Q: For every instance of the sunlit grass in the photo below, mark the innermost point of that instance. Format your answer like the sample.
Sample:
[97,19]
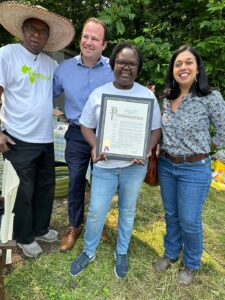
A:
[47,277]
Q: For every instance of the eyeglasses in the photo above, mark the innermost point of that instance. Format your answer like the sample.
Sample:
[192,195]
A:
[122,64]
[41,32]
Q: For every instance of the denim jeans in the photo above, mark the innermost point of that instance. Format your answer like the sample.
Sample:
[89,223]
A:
[105,182]
[184,188]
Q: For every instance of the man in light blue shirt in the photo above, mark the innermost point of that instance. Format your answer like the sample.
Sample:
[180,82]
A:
[77,78]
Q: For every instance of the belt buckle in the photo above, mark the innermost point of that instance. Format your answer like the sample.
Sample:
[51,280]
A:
[176,159]
[179,159]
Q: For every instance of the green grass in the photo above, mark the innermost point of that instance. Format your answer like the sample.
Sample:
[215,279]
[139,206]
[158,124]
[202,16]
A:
[47,277]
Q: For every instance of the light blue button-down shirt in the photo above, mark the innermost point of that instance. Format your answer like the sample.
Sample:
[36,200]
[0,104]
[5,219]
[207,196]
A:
[77,81]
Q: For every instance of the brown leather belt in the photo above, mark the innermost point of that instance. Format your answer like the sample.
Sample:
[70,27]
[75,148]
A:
[183,158]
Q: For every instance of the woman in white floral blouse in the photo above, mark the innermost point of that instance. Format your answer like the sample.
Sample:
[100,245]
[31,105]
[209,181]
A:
[190,107]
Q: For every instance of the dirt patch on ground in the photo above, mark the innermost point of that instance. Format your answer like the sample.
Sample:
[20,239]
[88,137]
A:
[59,222]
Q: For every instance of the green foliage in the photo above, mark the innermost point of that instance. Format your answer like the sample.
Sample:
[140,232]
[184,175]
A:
[156,54]
[158,27]
[216,6]
[117,15]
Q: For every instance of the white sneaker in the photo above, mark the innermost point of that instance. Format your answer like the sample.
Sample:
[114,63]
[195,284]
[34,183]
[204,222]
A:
[51,236]
[31,250]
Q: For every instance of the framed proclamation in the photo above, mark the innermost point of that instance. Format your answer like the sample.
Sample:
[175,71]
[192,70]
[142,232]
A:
[124,127]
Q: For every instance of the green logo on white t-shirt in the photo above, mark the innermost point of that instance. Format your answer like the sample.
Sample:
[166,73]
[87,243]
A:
[32,75]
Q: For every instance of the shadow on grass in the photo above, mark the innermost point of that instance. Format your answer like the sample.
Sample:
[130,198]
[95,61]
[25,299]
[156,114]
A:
[47,277]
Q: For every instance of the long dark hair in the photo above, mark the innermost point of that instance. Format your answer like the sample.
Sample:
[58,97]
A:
[199,87]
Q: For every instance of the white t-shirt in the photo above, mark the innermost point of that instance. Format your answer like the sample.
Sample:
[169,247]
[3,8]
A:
[91,113]
[27,107]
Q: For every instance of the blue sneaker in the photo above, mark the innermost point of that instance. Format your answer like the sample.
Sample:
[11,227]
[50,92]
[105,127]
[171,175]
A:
[121,265]
[80,263]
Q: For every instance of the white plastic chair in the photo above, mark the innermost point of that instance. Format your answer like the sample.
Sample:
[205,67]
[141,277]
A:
[10,183]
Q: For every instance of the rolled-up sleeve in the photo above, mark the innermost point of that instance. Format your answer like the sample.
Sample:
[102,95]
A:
[156,118]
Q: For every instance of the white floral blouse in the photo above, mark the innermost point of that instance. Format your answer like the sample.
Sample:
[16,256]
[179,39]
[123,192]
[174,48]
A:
[187,131]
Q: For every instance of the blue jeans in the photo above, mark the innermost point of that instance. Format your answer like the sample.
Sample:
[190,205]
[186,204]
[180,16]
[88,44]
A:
[184,188]
[105,183]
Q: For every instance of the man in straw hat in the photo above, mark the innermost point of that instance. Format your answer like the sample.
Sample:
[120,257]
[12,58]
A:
[77,78]
[27,128]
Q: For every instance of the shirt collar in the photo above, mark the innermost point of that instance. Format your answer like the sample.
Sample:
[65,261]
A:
[100,62]
[30,55]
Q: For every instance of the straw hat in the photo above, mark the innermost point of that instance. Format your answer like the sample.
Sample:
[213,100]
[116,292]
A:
[13,14]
